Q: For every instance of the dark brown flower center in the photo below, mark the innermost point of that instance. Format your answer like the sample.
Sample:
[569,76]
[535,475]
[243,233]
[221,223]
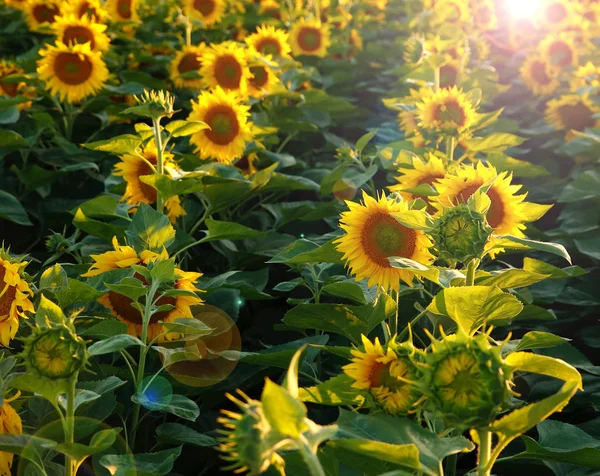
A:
[206,7]
[224,126]
[260,76]
[268,46]
[45,13]
[576,116]
[6,299]
[78,34]
[309,39]
[72,69]
[228,72]
[189,63]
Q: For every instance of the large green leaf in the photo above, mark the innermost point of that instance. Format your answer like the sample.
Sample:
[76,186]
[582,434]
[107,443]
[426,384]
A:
[12,210]
[145,464]
[224,230]
[539,340]
[285,413]
[510,242]
[150,230]
[178,433]
[440,276]
[402,455]
[335,391]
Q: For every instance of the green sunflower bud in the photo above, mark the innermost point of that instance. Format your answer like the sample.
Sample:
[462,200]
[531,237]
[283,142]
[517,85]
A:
[460,234]
[414,49]
[249,441]
[466,380]
[55,352]
[153,104]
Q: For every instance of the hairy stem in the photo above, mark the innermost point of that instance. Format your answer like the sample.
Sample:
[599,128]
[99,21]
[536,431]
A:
[159,159]
[310,458]
[485,450]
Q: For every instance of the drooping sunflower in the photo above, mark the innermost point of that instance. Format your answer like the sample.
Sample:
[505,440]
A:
[586,76]
[373,235]
[123,257]
[208,12]
[73,72]
[269,40]
[571,112]
[389,375]
[229,130]
[11,88]
[508,211]
[132,167]
[187,61]
[10,424]
[539,75]
[226,65]
[94,9]
[423,173]
[447,111]
[309,38]
[40,14]
[72,29]
[484,15]
[15,296]
[123,10]
[560,50]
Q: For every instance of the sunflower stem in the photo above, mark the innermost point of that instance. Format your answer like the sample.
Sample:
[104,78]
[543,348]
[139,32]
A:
[159,159]
[70,463]
[436,78]
[310,458]
[450,146]
[471,268]
[413,323]
[485,450]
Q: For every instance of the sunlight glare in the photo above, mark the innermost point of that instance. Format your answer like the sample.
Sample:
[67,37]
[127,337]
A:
[524,8]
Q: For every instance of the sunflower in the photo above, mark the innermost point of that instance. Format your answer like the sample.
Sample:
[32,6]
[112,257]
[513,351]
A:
[229,130]
[41,13]
[449,74]
[539,75]
[10,424]
[92,8]
[73,72]
[19,4]
[132,167]
[247,164]
[451,11]
[508,211]
[560,50]
[208,12]
[187,61]
[408,123]
[571,112]
[586,76]
[484,15]
[72,29]
[10,88]
[422,173]
[271,8]
[555,14]
[15,296]
[269,40]
[123,10]
[309,38]
[122,257]
[263,78]
[373,235]
[226,65]
[447,111]
[386,374]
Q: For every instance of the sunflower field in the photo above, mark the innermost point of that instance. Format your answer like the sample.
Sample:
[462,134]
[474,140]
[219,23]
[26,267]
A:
[299,237]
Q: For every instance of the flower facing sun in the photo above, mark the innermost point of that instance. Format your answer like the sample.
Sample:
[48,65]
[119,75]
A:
[187,62]
[15,296]
[123,257]
[447,111]
[572,113]
[226,65]
[309,38]
[539,76]
[73,72]
[508,211]
[389,374]
[132,167]
[422,173]
[373,235]
[560,50]
[40,13]
[269,41]
[72,29]
[18,4]
[229,130]
[208,12]
[555,14]
[263,79]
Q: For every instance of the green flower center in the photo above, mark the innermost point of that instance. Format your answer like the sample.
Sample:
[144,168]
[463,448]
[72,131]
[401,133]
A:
[383,237]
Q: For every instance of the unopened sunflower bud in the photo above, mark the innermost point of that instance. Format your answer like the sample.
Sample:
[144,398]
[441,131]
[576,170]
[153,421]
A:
[154,104]
[55,352]
[414,49]
[466,380]
[460,234]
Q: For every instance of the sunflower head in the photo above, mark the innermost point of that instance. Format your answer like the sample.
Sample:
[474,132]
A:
[11,87]
[40,14]
[249,440]
[586,76]
[93,9]
[208,12]
[269,41]
[447,111]
[10,424]
[310,38]
[571,112]
[414,49]
[460,234]
[55,352]
[539,75]
[70,28]
[185,67]
[560,50]
[484,15]
[226,65]
[466,380]
[389,373]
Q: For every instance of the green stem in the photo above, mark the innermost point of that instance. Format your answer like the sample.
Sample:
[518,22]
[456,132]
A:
[471,268]
[310,458]
[159,159]
[70,464]
[485,450]
[450,465]
[436,78]
[413,323]
[450,146]
[285,141]
[395,317]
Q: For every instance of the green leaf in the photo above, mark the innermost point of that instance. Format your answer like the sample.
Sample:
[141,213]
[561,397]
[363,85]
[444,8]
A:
[440,276]
[512,278]
[163,271]
[103,206]
[516,243]
[11,139]
[9,115]
[48,313]
[349,321]
[403,455]
[76,291]
[345,290]
[150,230]
[364,140]
[544,365]
[185,128]
[188,327]
[133,288]
[539,340]
[105,329]
[291,379]
[12,210]
[102,386]
[415,219]
[473,306]
[114,344]
[169,187]
[284,413]
[541,267]
[28,447]
[98,228]
[585,187]
[180,434]
[178,405]
[145,464]
[519,168]
[224,230]
[54,279]
[101,441]
[336,391]
[119,145]
[497,142]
